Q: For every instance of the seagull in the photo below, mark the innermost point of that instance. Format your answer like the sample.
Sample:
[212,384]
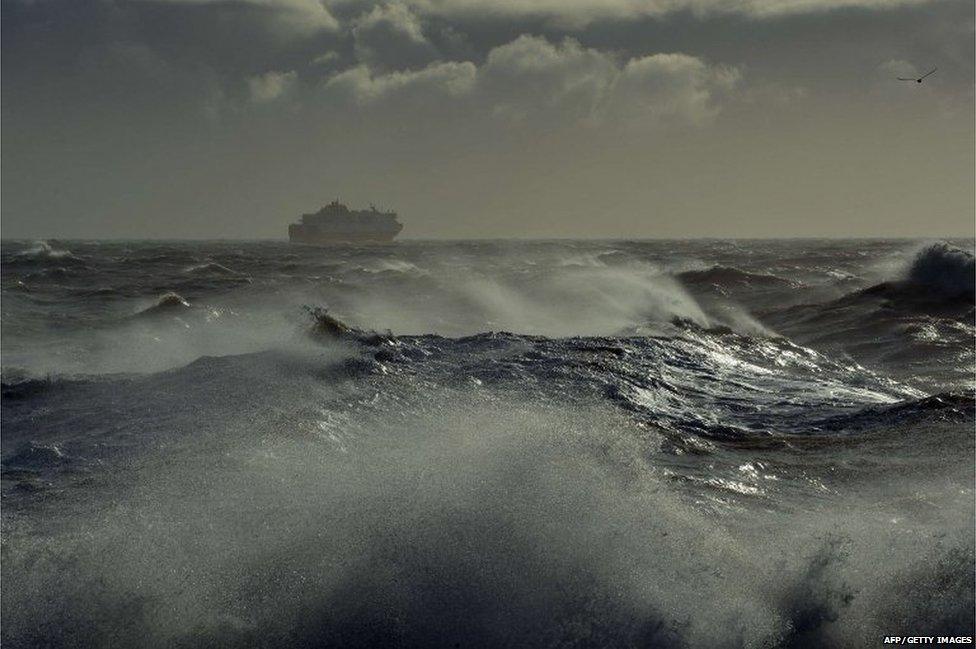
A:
[918,80]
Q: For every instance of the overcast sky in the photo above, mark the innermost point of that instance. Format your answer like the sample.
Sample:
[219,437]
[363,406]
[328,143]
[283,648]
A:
[505,118]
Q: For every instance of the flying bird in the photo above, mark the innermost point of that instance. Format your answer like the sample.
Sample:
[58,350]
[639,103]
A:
[918,80]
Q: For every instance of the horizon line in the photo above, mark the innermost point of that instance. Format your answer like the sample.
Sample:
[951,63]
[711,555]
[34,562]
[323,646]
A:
[514,238]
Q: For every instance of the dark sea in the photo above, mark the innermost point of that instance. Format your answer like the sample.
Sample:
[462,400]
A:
[698,444]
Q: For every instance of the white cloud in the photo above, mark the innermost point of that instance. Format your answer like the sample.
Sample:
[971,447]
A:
[530,75]
[577,13]
[391,36]
[326,59]
[270,86]
[669,87]
[294,17]
[531,80]
[437,81]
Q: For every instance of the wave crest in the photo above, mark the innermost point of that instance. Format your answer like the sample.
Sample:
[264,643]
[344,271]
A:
[43,251]
[212,268]
[167,303]
[730,277]
[944,269]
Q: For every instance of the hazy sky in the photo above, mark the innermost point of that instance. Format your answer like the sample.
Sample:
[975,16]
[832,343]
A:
[549,118]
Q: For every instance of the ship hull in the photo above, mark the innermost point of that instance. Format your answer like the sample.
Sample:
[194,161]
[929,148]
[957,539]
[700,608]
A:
[297,234]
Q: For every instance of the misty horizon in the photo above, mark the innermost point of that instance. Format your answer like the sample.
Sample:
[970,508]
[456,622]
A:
[919,240]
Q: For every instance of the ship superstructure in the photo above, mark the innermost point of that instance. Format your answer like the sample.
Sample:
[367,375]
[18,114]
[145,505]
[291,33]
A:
[336,223]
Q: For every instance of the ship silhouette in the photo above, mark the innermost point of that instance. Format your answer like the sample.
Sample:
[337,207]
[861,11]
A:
[335,223]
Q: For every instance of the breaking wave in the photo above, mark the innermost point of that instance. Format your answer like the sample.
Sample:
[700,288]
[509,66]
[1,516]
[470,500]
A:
[44,250]
[431,515]
[212,268]
[726,277]
[560,444]
[167,303]
[945,269]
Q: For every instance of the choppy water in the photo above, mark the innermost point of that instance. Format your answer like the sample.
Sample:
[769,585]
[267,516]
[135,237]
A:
[664,444]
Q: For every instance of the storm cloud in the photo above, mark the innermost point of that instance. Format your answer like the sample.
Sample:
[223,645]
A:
[202,118]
